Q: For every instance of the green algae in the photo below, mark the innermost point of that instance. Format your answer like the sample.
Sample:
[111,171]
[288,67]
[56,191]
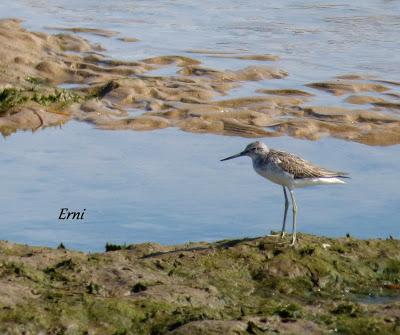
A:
[61,246]
[150,289]
[11,269]
[93,288]
[57,96]
[365,325]
[289,311]
[114,247]
[391,271]
[13,97]
[36,80]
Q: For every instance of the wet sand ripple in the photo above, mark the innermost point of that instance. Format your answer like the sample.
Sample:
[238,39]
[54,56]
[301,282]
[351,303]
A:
[34,64]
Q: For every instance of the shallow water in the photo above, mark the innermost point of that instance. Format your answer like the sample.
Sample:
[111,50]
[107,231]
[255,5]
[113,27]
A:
[316,40]
[371,300]
[168,186]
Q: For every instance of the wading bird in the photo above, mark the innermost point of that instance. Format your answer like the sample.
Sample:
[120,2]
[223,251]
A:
[290,171]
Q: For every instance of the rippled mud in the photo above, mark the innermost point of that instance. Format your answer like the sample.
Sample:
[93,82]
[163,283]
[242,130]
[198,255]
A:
[35,67]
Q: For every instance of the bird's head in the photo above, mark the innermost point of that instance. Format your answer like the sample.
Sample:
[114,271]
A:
[252,150]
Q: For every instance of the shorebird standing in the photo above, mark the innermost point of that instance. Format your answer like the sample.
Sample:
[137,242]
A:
[290,171]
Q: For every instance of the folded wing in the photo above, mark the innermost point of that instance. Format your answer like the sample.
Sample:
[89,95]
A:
[300,168]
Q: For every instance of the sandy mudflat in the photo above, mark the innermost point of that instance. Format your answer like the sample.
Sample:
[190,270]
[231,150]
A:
[34,64]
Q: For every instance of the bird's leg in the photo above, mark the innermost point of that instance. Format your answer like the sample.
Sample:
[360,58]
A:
[285,214]
[294,206]
[282,234]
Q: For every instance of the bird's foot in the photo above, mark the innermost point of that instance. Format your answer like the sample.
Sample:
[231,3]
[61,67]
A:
[273,234]
[293,243]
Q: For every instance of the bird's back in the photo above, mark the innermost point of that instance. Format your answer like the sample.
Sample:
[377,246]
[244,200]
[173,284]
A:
[298,167]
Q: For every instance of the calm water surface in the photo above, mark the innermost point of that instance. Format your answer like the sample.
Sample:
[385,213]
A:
[169,186]
[316,39]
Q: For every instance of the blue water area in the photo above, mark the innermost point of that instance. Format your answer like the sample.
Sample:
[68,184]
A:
[315,39]
[169,186]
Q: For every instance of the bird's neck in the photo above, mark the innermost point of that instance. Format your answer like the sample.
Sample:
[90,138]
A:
[258,159]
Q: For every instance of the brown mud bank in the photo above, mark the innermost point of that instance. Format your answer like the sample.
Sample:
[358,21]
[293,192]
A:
[248,286]
[36,67]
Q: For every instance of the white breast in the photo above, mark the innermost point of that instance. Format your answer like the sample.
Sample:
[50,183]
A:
[275,174]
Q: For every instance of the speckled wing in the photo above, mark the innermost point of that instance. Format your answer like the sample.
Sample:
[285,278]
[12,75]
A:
[300,168]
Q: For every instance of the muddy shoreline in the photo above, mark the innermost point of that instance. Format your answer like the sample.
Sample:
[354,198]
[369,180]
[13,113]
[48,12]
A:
[249,286]
[36,66]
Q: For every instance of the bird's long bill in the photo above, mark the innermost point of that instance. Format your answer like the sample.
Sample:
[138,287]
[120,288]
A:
[232,157]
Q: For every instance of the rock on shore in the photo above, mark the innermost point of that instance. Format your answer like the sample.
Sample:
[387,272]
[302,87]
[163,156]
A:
[248,286]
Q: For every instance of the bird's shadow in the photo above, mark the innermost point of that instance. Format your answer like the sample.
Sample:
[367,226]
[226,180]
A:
[161,253]
[224,244]
[231,243]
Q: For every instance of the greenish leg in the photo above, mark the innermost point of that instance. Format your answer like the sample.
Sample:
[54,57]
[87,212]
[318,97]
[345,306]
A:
[285,214]
[294,206]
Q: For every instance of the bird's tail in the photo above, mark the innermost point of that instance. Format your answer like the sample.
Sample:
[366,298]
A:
[343,175]
[336,174]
